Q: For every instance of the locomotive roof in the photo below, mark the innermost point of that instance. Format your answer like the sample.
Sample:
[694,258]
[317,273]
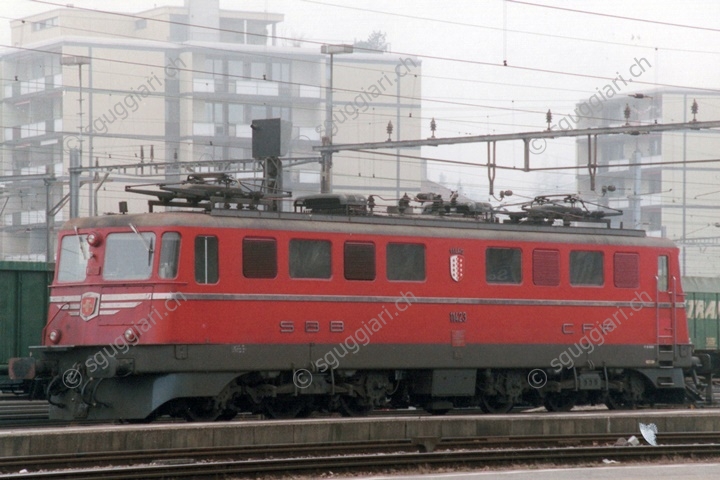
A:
[412,226]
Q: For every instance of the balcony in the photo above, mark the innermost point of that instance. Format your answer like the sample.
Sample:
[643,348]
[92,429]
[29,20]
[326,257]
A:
[32,86]
[309,91]
[204,129]
[32,129]
[269,89]
[204,85]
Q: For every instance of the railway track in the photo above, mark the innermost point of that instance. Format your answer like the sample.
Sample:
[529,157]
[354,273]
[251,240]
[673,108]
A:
[19,412]
[318,458]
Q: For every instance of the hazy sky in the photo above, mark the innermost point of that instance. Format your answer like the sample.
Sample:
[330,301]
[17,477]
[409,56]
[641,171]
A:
[556,58]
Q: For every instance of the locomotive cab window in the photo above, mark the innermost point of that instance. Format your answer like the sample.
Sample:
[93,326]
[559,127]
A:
[74,256]
[626,270]
[662,275]
[169,254]
[503,265]
[129,256]
[359,261]
[586,268]
[310,259]
[259,257]
[405,261]
[206,259]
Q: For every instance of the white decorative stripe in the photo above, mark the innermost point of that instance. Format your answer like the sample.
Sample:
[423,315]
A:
[353,299]
[113,297]
[110,297]
[108,312]
[65,299]
[119,304]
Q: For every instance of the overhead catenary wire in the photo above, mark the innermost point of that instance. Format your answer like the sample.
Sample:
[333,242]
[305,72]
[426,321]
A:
[460,103]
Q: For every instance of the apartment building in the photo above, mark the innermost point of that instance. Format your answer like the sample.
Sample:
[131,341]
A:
[171,91]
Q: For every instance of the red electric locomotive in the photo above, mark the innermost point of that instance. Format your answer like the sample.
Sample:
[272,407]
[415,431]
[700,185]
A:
[337,307]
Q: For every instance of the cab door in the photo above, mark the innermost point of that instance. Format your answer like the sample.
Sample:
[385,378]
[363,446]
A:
[665,299]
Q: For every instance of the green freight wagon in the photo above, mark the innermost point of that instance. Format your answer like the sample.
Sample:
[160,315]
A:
[702,302]
[23,312]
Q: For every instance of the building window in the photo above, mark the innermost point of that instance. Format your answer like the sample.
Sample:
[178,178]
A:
[140,24]
[43,24]
[503,265]
[206,259]
[546,267]
[258,71]
[655,146]
[309,259]
[405,261]
[236,114]
[281,72]
[213,68]
[236,69]
[214,113]
[586,268]
[359,261]
[626,270]
[259,257]
[169,255]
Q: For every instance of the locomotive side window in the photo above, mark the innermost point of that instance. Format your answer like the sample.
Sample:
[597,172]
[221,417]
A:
[169,254]
[546,267]
[405,261]
[626,270]
[206,259]
[259,257]
[359,261]
[74,257]
[129,256]
[503,265]
[662,273]
[586,268]
[309,259]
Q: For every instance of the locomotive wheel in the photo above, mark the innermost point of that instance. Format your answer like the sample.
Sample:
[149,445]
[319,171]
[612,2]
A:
[136,421]
[193,414]
[630,397]
[559,402]
[200,410]
[354,407]
[283,408]
[495,404]
[226,415]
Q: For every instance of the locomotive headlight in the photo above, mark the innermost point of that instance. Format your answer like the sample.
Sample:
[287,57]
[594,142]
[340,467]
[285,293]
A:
[131,335]
[54,336]
[94,239]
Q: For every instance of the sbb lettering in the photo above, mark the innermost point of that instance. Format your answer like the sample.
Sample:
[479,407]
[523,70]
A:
[312,326]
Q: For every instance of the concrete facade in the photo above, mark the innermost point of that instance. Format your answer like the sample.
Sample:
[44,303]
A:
[177,85]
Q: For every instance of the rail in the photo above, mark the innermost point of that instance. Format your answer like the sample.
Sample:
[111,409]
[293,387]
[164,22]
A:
[211,462]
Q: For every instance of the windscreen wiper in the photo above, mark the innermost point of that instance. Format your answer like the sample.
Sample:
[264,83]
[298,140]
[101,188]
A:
[148,246]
